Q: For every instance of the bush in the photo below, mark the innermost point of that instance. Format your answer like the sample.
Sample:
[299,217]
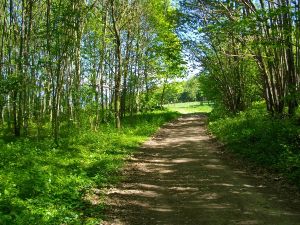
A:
[44,184]
[263,140]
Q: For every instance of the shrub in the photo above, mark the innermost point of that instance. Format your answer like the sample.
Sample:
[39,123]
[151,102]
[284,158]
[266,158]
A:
[44,184]
[263,140]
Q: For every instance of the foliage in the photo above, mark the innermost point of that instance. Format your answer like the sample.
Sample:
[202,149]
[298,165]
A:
[191,91]
[247,50]
[44,184]
[178,91]
[269,142]
[172,92]
[60,59]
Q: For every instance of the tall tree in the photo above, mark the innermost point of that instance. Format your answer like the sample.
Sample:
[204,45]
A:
[263,31]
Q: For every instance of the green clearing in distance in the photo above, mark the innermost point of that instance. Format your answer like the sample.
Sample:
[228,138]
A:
[189,107]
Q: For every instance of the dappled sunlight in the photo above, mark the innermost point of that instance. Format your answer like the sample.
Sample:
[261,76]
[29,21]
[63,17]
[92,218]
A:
[209,196]
[142,193]
[183,160]
[179,179]
[224,184]
[184,189]
[160,209]
[93,197]
[214,167]
[149,186]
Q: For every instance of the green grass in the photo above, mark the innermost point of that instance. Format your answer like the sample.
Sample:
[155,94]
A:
[262,140]
[43,184]
[189,107]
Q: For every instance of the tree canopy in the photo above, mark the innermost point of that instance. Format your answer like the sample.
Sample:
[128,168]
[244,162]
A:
[61,61]
[248,50]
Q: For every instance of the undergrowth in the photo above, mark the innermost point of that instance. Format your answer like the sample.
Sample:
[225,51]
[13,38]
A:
[44,184]
[263,140]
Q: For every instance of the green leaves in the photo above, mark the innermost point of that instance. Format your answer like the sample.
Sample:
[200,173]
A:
[261,140]
[44,185]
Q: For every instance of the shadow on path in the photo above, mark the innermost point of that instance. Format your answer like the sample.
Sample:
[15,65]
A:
[178,178]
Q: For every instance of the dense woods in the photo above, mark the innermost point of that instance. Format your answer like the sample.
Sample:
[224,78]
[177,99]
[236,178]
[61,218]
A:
[84,82]
[74,79]
[248,50]
[65,61]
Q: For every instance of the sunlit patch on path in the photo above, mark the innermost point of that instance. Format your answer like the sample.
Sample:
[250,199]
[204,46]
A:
[178,178]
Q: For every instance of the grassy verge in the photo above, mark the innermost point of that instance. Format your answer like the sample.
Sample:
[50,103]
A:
[262,140]
[43,184]
[189,107]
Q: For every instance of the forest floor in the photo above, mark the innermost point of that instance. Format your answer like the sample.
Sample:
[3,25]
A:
[181,176]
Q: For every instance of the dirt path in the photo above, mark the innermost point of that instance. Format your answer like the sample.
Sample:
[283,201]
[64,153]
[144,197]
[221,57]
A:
[179,178]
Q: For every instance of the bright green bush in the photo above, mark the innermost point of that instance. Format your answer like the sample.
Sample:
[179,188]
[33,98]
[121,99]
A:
[266,141]
[43,184]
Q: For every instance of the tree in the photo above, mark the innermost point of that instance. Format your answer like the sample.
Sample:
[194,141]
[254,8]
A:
[68,62]
[234,34]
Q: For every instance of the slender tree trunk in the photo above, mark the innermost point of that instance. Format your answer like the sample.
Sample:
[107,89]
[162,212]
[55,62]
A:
[162,98]
[118,72]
